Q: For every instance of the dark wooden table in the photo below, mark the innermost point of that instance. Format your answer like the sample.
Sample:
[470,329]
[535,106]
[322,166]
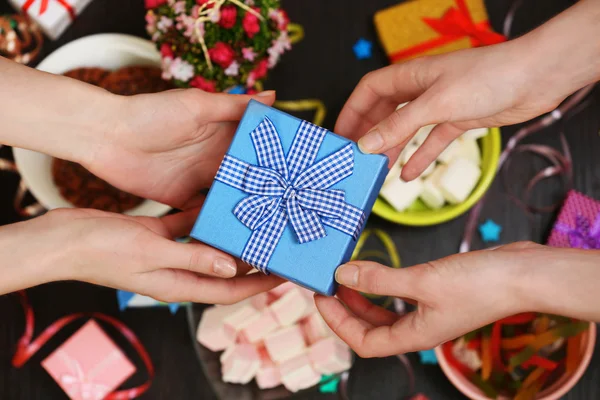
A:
[321,66]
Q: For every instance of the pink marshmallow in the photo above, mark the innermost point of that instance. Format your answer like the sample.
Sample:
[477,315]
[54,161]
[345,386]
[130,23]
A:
[211,333]
[315,328]
[330,356]
[291,307]
[298,373]
[259,301]
[282,289]
[285,343]
[240,364]
[261,327]
[240,318]
[268,375]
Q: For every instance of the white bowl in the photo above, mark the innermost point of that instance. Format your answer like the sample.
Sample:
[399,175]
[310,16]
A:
[108,51]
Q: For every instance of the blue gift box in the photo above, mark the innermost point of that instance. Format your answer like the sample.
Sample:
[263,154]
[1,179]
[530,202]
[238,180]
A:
[300,231]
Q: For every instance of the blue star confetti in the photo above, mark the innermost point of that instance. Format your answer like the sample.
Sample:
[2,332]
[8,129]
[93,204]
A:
[490,231]
[363,49]
[428,357]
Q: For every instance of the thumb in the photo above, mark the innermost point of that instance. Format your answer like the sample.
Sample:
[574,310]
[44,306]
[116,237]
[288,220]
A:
[222,107]
[370,277]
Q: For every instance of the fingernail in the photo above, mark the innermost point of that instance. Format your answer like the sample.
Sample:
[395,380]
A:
[347,275]
[266,94]
[371,142]
[224,268]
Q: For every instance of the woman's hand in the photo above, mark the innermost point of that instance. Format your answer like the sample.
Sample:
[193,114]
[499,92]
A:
[136,254]
[459,293]
[485,87]
[168,146]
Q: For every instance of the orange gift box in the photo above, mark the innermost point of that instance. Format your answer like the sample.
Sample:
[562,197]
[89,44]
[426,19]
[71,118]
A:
[427,27]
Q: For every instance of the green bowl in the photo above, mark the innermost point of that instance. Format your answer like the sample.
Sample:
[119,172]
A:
[418,214]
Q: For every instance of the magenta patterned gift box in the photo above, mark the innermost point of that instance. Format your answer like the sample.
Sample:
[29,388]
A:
[578,224]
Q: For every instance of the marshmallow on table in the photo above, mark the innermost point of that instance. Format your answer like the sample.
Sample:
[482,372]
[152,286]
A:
[241,364]
[469,149]
[259,301]
[475,134]
[450,153]
[268,375]
[315,328]
[401,194]
[422,135]
[282,289]
[211,330]
[260,327]
[407,153]
[240,318]
[330,356]
[431,195]
[291,307]
[459,180]
[285,343]
[394,172]
[298,373]
[428,171]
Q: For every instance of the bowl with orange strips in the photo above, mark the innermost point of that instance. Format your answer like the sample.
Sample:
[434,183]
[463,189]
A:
[525,356]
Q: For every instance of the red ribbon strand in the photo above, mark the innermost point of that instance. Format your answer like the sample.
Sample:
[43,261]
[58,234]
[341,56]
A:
[454,25]
[26,348]
[44,6]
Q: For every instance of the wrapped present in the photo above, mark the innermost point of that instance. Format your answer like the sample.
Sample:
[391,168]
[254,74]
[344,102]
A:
[290,198]
[578,224]
[133,300]
[53,16]
[428,27]
[89,365]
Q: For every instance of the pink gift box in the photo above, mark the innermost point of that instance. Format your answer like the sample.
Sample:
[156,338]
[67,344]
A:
[88,365]
[578,224]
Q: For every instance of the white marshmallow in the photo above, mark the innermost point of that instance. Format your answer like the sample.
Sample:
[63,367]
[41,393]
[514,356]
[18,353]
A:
[450,153]
[394,172]
[431,195]
[429,170]
[401,194]
[475,134]
[469,149]
[407,153]
[422,134]
[459,180]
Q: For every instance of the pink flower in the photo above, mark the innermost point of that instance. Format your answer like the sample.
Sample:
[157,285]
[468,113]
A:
[259,72]
[150,23]
[203,84]
[222,54]
[166,68]
[166,51]
[179,7]
[195,13]
[164,23]
[228,16]
[281,18]
[248,54]
[186,24]
[251,24]
[279,47]
[181,70]
[233,69]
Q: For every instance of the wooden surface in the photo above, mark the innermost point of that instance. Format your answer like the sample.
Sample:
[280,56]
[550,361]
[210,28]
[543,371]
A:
[322,66]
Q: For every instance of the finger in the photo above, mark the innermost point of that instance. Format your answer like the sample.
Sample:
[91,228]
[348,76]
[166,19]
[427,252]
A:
[181,224]
[171,285]
[194,257]
[221,107]
[396,83]
[438,140]
[379,341]
[198,200]
[364,309]
[370,277]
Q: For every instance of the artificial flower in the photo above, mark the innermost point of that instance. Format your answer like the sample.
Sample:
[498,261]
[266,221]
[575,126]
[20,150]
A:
[222,54]
[164,23]
[181,70]
[248,53]
[203,84]
[251,24]
[166,68]
[228,16]
[187,25]
[166,51]
[179,7]
[281,18]
[280,46]
[233,69]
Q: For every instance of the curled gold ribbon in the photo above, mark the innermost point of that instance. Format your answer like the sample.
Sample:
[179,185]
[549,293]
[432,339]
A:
[390,255]
[295,32]
[204,16]
[305,105]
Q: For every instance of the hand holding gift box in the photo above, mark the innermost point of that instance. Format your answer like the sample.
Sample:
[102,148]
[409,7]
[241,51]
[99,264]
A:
[53,16]
[290,198]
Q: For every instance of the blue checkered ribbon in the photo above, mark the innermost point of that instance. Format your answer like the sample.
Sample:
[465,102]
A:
[293,189]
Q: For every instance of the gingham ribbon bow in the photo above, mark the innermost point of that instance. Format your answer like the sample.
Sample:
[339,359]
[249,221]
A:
[294,189]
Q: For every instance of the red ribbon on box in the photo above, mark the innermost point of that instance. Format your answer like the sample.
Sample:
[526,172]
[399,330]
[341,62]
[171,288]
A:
[44,6]
[455,24]
[27,346]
